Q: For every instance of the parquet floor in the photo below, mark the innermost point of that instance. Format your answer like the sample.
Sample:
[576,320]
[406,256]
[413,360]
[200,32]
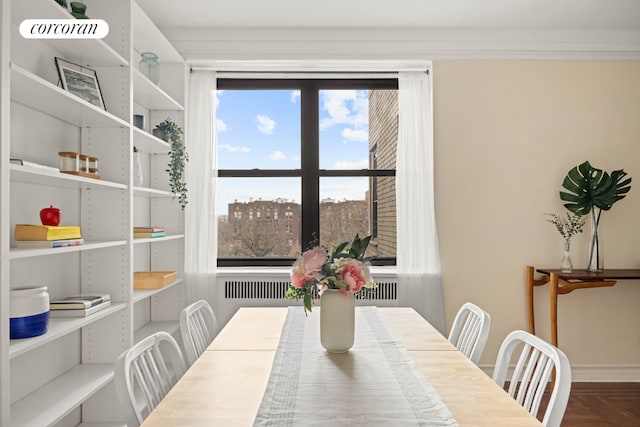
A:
[603,405]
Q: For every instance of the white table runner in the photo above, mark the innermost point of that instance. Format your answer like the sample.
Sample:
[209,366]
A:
[375,384]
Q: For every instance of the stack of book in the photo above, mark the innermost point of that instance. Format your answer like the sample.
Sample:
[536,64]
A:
[79,305]
[47,236]
[148,232]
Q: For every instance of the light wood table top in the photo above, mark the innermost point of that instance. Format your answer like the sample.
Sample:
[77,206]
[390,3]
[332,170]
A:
[226,384]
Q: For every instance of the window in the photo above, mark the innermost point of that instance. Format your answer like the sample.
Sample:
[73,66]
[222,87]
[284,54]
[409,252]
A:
[319,154]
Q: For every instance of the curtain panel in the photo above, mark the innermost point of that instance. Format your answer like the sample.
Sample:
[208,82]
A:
[201,226]
[418,258]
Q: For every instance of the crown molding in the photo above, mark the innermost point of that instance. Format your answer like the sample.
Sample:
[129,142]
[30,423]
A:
[406,44]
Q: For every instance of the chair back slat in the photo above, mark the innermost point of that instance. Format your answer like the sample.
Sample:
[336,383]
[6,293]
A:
[145,373]
[470,331]
[198,326]
[533,371]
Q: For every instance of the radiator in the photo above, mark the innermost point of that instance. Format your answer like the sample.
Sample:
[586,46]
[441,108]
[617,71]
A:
[275,290]
[235,292]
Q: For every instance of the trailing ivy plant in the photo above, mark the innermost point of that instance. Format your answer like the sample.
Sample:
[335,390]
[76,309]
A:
[177,158]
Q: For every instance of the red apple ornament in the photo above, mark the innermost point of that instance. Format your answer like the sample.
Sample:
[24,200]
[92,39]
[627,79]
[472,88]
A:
[50,216]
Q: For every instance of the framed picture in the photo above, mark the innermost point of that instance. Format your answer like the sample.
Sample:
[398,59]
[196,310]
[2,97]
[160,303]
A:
[80,81]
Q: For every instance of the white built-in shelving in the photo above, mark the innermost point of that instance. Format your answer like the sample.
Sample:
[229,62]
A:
[140,295]
[55,400]
[59,327]
[64,377]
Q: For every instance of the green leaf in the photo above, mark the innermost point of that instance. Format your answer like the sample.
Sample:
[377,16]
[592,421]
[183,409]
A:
[588,187]
[308,301]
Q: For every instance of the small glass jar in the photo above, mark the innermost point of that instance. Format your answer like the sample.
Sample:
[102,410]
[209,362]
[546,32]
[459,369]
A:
[69,161]
[84,162]
[150,67]
[93,165]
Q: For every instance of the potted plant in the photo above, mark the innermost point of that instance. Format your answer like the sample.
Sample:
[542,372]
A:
[169,131]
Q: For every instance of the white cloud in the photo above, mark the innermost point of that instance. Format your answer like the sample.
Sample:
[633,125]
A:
[265,124]
[234,148]
[349,107]
[362,164]
[221,126]
[295,95]
[277,155]
[355,134]
[217,97]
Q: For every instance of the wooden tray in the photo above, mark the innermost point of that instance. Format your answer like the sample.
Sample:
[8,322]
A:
[85,174]
[153,279]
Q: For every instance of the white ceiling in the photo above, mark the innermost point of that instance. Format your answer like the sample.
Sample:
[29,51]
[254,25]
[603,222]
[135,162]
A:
[203,30]
[581,15]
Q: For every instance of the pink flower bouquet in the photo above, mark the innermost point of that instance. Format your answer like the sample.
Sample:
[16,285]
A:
[344,268]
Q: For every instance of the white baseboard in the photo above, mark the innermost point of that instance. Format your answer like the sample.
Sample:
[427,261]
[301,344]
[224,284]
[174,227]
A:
[595,373]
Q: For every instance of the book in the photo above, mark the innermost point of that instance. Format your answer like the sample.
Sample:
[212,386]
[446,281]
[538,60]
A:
[48,243]
[79,302]
[148,235]
[79,312]
[147,229]
[46,232]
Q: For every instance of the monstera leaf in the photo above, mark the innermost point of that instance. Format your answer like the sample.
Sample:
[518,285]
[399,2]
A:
[588,187]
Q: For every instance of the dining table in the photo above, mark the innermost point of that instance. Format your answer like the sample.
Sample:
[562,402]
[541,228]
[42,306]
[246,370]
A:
[229,384]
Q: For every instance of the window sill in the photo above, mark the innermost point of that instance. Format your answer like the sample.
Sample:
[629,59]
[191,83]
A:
[262,272]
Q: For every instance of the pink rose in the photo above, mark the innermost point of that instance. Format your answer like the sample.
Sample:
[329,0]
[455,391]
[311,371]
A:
[355,275]
[311,262]
[298,280]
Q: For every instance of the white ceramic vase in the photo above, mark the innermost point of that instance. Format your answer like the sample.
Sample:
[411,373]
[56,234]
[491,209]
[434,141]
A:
[337,321]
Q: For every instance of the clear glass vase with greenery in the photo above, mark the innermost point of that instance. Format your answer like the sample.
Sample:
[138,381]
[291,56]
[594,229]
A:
[591,190]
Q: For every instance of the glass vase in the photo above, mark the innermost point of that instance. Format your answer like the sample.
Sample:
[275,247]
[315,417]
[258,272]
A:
[150,67]
[595,262]
[566,266]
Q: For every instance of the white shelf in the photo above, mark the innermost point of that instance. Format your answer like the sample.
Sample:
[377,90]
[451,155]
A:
[102,425]
[151,96]
[170,326]
[94,52]
[52,402]
[151,192]
[147,143]
[39,94]
[59,179]
[159,239]
[59,327]
[147,37]
[16,253]
[139,295]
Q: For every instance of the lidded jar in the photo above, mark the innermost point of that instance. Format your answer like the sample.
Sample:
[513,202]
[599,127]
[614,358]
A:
[29,312]
[69,161]
[150,67]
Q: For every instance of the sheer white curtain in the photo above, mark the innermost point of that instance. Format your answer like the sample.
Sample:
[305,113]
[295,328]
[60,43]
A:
[418,258]
[201,234]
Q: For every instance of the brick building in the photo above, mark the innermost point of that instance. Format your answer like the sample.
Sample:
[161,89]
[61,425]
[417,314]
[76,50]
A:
[260,228]
[383,142]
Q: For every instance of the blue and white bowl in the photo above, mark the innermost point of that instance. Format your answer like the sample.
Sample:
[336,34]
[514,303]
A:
[29,308]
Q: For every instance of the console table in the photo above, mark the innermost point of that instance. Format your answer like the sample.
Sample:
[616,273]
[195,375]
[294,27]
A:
[564,283]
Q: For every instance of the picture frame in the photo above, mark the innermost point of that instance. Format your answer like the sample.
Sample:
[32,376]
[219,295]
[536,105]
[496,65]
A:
[80,81]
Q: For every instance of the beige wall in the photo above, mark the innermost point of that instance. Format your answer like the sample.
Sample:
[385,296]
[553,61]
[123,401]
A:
[506,133]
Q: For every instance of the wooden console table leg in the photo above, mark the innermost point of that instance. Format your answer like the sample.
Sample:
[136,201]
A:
[553,307]
[532,321]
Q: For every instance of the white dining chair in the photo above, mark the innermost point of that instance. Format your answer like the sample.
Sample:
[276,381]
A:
[198,326]
[470,331]
[145,373]
[533,370]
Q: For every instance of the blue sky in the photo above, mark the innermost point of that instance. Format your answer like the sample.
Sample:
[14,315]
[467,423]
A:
[261,129]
